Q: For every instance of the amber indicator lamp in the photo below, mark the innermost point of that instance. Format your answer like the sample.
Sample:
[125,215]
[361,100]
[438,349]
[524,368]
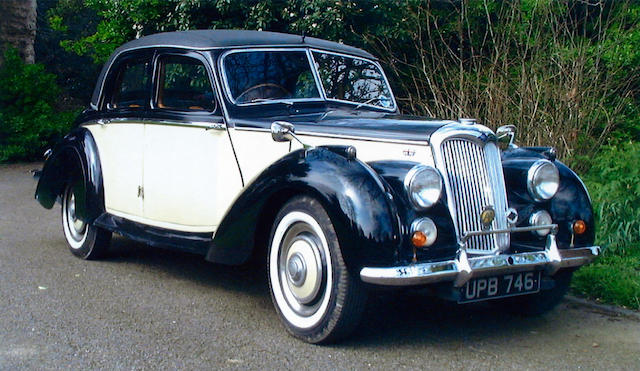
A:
[418,238]
[579,227]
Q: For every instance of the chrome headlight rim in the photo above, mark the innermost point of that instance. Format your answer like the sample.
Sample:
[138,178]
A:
[410,180]
[534,190]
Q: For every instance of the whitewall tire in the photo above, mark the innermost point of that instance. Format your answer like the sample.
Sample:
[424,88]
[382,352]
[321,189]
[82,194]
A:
[84,240]
[315,295]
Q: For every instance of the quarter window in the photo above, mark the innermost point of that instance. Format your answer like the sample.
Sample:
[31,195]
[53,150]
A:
[184,85]
[132,85]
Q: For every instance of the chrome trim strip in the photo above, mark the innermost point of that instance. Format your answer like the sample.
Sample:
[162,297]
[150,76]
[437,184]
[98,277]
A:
[461,269]
[338,136]
[466,236]
[192,124]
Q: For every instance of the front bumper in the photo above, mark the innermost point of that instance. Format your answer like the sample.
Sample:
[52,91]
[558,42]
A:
[463,268]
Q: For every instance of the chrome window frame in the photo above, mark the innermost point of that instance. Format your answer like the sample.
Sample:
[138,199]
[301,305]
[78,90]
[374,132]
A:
[225,80]
[316,75]
[103,95]
[375,63]
[202,59]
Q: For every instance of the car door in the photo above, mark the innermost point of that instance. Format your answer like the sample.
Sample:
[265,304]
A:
[190,172]
[119,133]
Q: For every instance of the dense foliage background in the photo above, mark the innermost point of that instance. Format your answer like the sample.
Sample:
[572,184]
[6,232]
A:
[566,73]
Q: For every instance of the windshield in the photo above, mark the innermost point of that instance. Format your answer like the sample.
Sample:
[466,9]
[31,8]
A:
[256,76]
[352,79]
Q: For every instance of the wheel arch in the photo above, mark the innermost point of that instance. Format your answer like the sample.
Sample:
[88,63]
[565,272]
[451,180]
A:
[75,158]
[331,179]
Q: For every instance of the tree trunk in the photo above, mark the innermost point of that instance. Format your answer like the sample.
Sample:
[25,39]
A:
[18,27]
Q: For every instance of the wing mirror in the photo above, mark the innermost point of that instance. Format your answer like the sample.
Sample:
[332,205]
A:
[282,131]
[506,135]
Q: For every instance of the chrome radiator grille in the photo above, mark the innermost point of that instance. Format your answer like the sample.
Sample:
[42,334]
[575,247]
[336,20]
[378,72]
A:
[473,171]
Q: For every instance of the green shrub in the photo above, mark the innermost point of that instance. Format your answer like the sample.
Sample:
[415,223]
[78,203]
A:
[29,119]
[614,183]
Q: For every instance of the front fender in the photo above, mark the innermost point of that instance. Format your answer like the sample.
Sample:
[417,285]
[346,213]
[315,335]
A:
[569,204]
[355,198]
[74,159]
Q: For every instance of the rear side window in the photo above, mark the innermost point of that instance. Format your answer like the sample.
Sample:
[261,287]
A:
[132,85]
[184,85]
[257,76]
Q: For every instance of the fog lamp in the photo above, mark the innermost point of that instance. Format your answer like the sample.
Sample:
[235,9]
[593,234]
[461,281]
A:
[540,217]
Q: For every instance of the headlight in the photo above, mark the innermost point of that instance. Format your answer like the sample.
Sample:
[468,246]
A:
[423,185]
[543,180]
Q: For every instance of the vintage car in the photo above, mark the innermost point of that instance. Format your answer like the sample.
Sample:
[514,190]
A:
[238,145]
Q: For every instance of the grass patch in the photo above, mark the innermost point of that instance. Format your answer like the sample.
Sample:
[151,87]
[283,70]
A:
[614,183]
[611,279]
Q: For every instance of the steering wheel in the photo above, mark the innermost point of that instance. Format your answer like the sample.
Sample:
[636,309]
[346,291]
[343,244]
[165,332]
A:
[265,90]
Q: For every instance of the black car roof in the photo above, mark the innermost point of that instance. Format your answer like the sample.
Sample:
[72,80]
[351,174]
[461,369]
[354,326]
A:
[214,39]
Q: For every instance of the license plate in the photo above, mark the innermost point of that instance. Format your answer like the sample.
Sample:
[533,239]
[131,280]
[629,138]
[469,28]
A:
[485,288]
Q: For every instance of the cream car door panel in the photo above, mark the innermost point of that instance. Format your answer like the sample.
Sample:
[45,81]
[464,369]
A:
[120,148]
[256,151]
[190,177]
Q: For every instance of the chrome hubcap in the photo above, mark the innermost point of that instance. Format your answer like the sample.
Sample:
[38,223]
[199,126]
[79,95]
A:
[77,228]
[297,270]
[301,268]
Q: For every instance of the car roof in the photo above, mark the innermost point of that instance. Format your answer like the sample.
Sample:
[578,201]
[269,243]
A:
[211,39]
[216,39]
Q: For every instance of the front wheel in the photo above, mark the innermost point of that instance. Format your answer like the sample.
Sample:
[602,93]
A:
[316,297]
[85,241]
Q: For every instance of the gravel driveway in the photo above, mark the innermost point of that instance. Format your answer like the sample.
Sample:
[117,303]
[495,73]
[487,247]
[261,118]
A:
[146,308]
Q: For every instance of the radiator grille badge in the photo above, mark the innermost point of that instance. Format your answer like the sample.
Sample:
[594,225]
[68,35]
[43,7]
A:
[486,216]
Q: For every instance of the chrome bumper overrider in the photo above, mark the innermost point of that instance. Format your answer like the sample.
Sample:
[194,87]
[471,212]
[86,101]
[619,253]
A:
[463,268]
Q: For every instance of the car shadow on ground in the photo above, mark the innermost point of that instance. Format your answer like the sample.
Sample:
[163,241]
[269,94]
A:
[390,317]
[249,279]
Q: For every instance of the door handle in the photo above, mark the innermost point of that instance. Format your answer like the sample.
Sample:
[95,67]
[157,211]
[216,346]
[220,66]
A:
[103,122]
[216,126]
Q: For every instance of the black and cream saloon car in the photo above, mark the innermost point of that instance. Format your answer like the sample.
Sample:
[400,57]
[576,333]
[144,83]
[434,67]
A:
[241,144]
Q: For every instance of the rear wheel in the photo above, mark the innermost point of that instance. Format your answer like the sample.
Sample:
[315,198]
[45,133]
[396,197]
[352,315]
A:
[316,297]
[85,241]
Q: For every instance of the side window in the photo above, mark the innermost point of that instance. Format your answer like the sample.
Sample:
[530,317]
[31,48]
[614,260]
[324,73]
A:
[269,75]
[184,85]
[132,85]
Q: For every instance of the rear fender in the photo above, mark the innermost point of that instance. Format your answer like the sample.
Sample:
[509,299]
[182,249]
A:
[75,159]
